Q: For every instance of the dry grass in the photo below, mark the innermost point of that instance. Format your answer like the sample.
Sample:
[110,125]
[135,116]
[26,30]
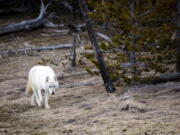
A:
[87,110]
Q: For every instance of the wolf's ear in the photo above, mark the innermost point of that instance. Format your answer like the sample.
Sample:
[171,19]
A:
[47,78]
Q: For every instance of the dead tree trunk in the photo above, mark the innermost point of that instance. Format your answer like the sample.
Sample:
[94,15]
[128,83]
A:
[40,21]
[178,38]
[74,50]
[105,76]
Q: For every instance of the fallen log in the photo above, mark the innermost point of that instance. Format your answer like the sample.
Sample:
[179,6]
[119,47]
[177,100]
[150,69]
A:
[40,21]
[30,48]
[167,77]
[25,50]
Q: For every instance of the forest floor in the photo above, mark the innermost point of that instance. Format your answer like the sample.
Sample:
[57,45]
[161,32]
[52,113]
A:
[79,110]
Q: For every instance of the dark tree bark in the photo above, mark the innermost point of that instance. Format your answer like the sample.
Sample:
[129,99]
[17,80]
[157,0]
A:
[105,76]
[178,37]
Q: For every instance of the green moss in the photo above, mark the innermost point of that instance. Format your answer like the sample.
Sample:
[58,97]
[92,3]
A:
[105,46]
[88,47]
[89,55]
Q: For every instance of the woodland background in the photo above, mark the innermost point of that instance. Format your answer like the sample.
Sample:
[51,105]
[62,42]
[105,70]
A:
[139,42]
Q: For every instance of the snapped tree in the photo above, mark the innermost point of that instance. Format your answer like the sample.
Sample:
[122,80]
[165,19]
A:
[102,66]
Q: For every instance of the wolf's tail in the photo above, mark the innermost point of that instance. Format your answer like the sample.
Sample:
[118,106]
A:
[29,90]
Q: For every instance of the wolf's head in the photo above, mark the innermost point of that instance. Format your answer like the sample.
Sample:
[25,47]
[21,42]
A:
[52,84]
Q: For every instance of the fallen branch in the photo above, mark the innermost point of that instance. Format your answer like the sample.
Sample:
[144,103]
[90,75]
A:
[62,31]
[52,25]
[146,12]
[138,64]
[25,50]
[105,37]
[40,21]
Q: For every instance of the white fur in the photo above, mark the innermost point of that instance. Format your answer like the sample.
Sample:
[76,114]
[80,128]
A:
[41,78]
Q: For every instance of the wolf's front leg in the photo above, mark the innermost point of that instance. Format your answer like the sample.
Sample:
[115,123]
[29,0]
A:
[46,101]
[40,96]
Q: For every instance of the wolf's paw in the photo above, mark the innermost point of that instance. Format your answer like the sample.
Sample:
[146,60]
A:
[47,107]
[33,103]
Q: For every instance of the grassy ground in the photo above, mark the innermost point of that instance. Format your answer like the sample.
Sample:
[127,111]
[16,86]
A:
[81,110]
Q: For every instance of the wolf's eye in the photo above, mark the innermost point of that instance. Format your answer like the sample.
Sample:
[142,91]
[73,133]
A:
[49,86]
[53,86]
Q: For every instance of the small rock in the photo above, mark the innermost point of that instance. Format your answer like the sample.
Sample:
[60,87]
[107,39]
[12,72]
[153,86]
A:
[68,131]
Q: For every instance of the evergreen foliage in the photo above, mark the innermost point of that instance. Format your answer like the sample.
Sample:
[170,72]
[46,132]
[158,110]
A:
[152,28]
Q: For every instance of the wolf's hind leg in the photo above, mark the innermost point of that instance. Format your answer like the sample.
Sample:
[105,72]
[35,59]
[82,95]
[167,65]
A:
[38,101]
[33,100]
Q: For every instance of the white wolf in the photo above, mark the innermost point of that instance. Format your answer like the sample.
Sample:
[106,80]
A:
[41,78]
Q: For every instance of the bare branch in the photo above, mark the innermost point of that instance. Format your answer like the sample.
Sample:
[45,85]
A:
[145,13]
[104,36]
[61,46]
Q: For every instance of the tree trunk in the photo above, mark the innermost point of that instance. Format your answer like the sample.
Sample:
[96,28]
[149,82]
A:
[74,50]
[178,37]
[105,76]
[132,53]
